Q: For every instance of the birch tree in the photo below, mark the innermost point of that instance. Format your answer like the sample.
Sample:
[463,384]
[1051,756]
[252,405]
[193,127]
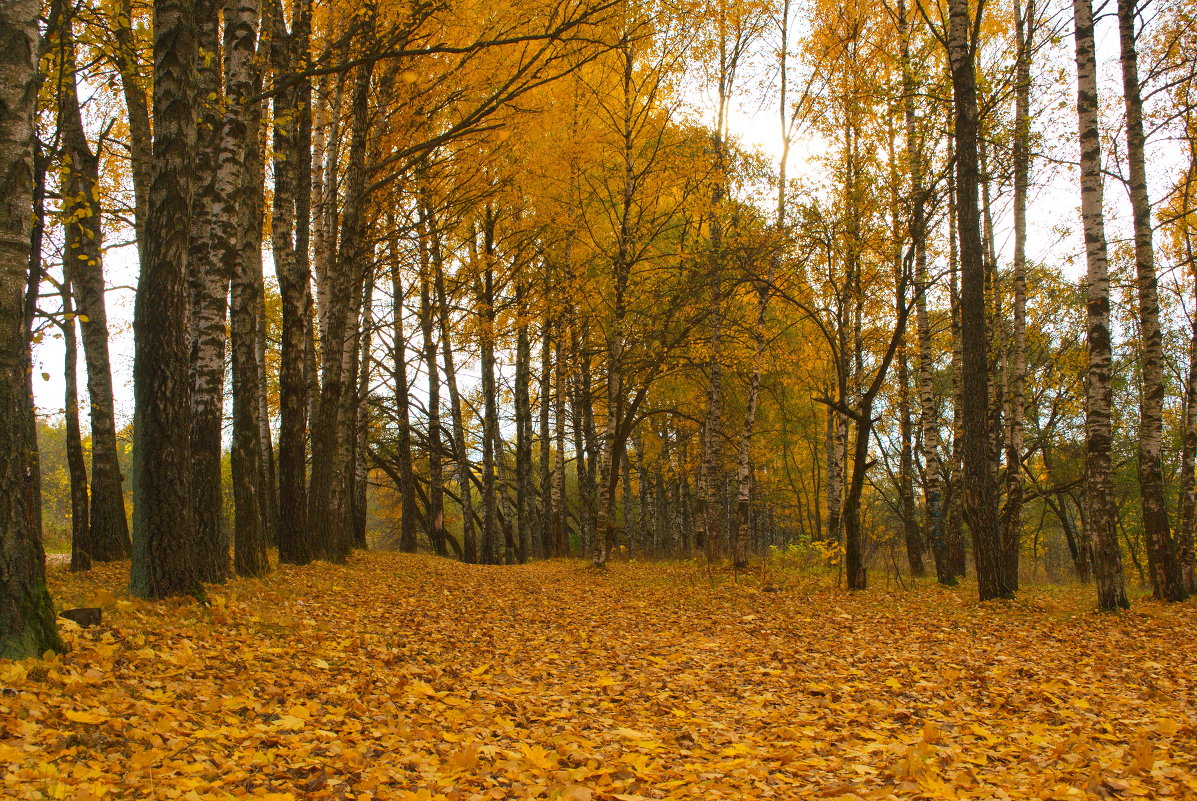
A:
[164,548]
[27,625]
[1107,559]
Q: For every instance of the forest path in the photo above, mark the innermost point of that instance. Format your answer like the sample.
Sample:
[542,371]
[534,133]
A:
[412,677]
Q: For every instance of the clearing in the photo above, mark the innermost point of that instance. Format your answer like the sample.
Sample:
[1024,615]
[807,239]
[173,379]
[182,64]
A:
[401,677]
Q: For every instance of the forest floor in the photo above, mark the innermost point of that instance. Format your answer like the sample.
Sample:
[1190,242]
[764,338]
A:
[409,677]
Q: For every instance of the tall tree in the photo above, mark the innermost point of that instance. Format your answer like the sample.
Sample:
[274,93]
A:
[328,498]
[26,613]
[1024,21]
[289,236]
[238,192]
[980,483]
[436,495]
[208,274]
[109,534]
[164,548]
[523,427]
[1099,522]
[76,467]
[407,485]
[1167,580]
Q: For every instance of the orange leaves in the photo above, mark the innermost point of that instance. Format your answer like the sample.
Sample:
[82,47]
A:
[403,677]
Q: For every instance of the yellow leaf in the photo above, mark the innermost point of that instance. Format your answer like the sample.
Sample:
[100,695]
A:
[1143,758]
[576,792]
[465,758]
[84,717]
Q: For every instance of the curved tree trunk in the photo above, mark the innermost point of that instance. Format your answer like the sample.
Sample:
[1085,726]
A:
[109,533]
[1167,579]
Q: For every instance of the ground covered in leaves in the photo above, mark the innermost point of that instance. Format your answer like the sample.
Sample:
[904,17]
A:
[405,677]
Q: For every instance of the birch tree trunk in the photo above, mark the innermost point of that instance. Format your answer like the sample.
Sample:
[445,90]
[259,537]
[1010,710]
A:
[980,493]
[209,290]
[910,527]
[1188,458]
[328,494]
[83,260]
[954,523]
[1012,511]
[164,547]
[928,419]
[1188,498]
[1099,521]
[1188,463]
[359,498]
[837,449]
[744,460]
[348,412]
[578,426]
[235,187]
[27,625]
[1167,579]
[289,221]
[559,543]
[545,545]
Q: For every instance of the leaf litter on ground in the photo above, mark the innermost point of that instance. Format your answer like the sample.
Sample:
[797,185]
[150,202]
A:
[410,677]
